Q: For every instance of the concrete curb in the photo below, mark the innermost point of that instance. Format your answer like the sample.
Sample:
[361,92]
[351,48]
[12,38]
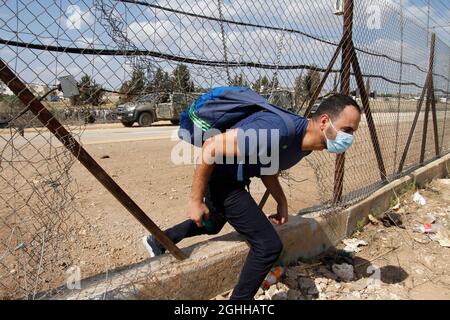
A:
[214,265]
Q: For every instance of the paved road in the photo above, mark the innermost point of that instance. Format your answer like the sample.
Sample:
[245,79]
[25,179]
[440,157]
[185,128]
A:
[117,133]
[97,135]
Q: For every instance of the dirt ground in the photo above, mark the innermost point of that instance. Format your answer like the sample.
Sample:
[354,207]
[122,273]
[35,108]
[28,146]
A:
[161,189]
[395,264]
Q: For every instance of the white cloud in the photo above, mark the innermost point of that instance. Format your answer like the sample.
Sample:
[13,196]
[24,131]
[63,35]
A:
[77,18]
[197,38]
[201,7]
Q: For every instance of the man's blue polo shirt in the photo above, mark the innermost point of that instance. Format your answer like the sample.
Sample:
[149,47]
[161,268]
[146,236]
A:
[257,145]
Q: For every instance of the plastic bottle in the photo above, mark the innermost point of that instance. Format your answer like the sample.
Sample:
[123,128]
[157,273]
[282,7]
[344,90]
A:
[273,277]
[428,228]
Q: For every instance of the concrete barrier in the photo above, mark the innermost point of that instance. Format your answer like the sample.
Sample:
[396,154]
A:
[214,265]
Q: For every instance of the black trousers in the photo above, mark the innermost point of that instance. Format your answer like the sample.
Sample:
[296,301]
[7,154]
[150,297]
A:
[229,201]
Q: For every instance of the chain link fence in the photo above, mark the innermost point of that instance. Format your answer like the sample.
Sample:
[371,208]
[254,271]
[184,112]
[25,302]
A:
[122,51]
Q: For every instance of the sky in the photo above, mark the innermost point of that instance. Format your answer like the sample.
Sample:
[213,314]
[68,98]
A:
[377,27]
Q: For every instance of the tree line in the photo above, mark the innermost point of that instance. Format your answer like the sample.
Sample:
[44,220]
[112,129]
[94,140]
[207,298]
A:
[179,80]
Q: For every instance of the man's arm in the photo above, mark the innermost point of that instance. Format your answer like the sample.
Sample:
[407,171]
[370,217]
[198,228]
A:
[273,185]
[224,144]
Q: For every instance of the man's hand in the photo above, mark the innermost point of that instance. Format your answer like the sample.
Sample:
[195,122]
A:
[224,144]
[281,217]
[273,185]
[197,211]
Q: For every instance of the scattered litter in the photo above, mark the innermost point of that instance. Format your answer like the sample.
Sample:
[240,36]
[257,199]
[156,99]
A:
[427,228]
[418,198]
[441,236]
[373,220]
[273,277]
[20,246]
[53,184]
[391,218]
[104,157]
[352,245]
[339,275]
[435,232]
[344,271]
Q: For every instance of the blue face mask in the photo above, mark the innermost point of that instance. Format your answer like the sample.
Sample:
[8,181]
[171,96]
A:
[342,142]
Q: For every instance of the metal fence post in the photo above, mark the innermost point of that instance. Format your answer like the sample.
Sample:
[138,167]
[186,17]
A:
[345,89]
[368,113]
[433,113]
[425,124]
[324,78]
[419,103]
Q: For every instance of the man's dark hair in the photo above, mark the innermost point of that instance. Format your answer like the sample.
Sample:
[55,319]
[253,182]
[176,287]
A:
[334,104]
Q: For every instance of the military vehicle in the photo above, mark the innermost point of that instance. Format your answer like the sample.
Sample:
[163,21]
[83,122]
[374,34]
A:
[148,109]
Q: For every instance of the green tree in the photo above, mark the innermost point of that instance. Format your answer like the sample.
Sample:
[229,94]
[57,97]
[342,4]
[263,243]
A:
[311,82]
[239,81]
[134,87]
[161,81]
[299,90]
[137,83]
[75,100]
[90,92]
[181,79]
[161,84]
[262,85]
[85,85]
[305,86]
[335,83]
[274,84]
[368,86]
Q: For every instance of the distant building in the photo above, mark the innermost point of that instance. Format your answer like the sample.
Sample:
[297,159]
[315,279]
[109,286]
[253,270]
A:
[38,89]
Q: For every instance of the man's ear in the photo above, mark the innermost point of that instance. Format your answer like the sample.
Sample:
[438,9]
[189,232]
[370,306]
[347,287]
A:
[323,120]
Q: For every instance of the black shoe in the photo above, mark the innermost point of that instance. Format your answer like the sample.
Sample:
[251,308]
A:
[151,246]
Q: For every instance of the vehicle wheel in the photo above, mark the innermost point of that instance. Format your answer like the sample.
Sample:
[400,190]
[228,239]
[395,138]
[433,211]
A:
[145,119]
[177,121]
[127,124]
